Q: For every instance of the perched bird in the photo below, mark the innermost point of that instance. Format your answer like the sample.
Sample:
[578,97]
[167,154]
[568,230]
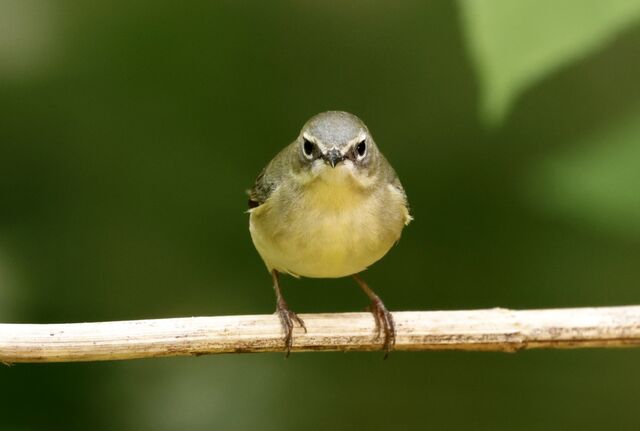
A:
[328,205]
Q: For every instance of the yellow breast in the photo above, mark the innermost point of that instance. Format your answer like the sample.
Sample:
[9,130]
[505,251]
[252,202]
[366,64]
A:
[327,231]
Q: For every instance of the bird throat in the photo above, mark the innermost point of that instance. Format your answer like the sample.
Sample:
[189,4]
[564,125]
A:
[334,188]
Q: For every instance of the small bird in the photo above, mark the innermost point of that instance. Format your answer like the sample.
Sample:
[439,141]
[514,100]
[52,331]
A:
[329,205]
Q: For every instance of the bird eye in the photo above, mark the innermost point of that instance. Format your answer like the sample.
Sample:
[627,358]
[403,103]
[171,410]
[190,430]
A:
[307,147]
[361,149]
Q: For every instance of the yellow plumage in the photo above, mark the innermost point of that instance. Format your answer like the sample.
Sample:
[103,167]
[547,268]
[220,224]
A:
[334,227]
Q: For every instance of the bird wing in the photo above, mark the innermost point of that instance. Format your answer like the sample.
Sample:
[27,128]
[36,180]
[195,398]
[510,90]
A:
[396,184]
[260,191]
[268,180]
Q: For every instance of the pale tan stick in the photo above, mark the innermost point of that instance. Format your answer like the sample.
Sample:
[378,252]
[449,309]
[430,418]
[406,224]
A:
[489,330]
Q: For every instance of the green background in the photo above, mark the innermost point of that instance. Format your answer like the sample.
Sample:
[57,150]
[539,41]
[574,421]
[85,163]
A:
[129,132]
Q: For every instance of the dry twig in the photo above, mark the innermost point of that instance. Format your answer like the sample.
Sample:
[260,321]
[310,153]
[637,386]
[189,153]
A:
[489,330]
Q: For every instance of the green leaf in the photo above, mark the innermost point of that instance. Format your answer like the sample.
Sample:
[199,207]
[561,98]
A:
[514,44]
[597,182]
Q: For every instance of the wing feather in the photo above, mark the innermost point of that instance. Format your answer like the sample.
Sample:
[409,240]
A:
[269,179]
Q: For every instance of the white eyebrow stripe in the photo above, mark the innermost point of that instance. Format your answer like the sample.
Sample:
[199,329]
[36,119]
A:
[343,150]
[320,145]
[361,137]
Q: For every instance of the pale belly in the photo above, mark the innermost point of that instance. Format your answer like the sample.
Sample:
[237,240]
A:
[310,238]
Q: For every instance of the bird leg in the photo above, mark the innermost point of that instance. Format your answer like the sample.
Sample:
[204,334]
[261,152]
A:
[382,316]
[287,317]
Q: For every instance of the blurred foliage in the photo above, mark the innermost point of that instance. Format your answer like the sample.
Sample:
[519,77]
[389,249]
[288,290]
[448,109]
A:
[130,130]
[593,183]
[515,44]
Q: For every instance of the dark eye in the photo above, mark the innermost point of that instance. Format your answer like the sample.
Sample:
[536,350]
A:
[307,147]
[361,149]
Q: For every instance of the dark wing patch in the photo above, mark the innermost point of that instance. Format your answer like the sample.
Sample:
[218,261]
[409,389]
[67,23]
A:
[259,192]
[269,179]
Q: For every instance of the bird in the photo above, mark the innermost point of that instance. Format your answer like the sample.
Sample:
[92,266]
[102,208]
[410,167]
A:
[329,205]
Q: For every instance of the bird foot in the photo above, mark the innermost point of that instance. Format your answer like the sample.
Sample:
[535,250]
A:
[384,324]
[287,317]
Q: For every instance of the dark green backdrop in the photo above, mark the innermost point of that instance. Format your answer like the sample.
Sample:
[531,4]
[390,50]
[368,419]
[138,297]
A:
[129,132]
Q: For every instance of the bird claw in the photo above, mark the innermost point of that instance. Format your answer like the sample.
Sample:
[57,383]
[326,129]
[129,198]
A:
[287,317]
[384,323]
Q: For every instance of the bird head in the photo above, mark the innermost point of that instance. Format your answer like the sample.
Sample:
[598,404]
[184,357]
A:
[336,144]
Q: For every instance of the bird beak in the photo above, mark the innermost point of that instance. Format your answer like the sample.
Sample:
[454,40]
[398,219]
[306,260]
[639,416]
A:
[333,157]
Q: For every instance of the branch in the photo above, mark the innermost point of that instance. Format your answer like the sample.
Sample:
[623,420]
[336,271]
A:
[489,330]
